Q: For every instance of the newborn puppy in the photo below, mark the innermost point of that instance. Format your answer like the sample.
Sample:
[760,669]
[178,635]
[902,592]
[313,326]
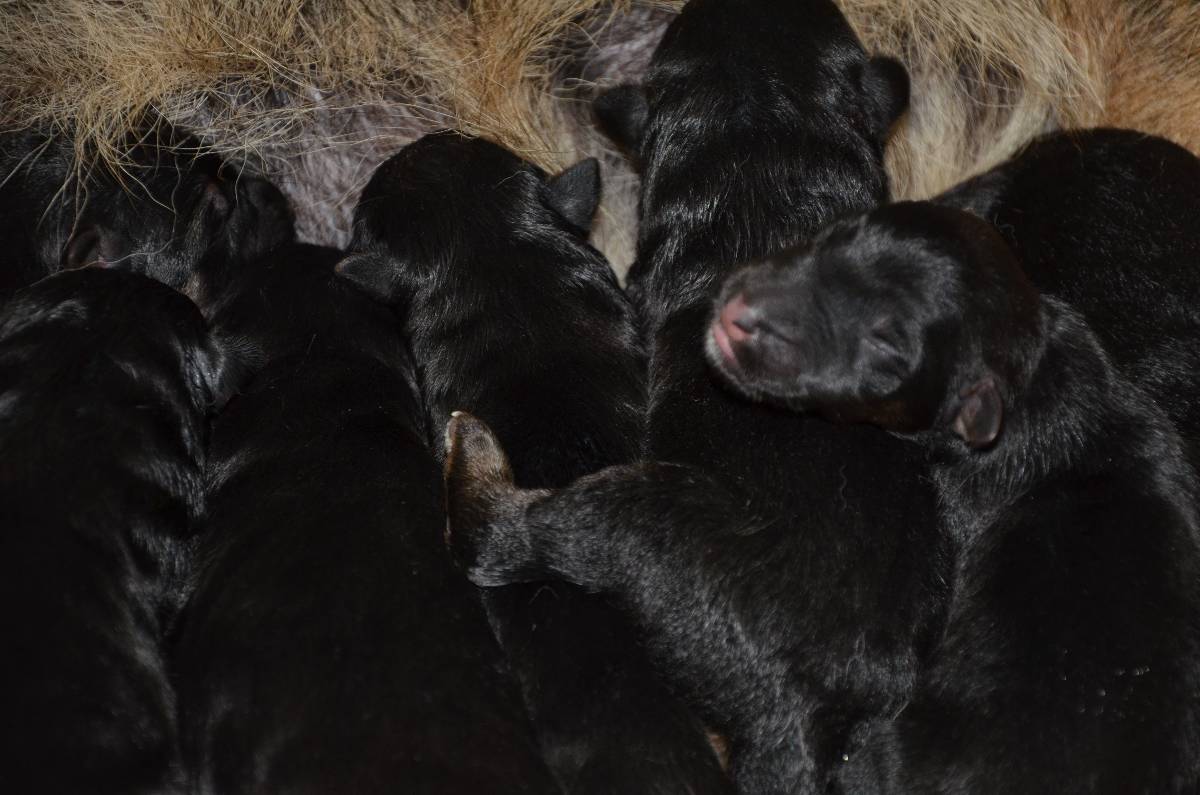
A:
[758,124]
[329,646]
[510,312]
[105,379]
[166,213]
[1071,657]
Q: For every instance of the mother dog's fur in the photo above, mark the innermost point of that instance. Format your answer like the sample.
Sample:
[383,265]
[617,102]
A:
[317,95]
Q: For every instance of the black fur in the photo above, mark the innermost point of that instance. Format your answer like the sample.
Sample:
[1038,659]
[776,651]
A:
[1071,656]
[509,313]
[1070,660]
[105,380]
[1106,220]
[328,647]
[183,218]
[758,124]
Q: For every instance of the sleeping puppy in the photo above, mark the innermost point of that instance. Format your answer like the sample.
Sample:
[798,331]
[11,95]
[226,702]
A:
[329,646]
[169,211]
[510,312]
[1070,660]
[758,124]
[105,380]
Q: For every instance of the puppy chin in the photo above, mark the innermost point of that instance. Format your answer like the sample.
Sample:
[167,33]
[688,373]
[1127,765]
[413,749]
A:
[741,378]
[722,358]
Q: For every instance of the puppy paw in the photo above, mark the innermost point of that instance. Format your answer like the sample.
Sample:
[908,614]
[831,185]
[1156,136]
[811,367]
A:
[485,530]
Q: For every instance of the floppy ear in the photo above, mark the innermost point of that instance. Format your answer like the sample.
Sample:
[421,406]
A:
[980,413]
[885,84]
[622,112]
[89,244]
[373,273]
[576,192]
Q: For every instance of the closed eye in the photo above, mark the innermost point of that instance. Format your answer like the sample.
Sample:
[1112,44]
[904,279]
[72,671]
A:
[886,337]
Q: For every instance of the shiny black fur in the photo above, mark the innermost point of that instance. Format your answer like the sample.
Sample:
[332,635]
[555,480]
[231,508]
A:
[329,646]
[105,380]
[509,313]
[183,218]
[1071,656]
[1070,661]
[759,123]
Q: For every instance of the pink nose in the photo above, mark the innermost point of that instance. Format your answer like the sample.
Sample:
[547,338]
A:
[735,319]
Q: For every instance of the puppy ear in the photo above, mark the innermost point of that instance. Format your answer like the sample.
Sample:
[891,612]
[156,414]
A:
[375,274]
[622,113]
[576,192]
[885,84]
[980,414]
[88,245]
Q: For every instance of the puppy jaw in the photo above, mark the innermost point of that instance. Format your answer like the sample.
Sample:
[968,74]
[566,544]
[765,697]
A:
[722,358]
[723,341]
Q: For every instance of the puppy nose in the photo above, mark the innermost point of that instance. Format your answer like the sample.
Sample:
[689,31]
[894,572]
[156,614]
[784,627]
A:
[739,319]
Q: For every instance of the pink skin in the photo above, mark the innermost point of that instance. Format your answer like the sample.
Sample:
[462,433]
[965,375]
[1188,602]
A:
[726,331]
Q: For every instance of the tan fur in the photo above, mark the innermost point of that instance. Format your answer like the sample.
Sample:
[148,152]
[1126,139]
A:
[990,74]
[256,69]
[987,75]
[1145,60]
[316,94]
[313,94]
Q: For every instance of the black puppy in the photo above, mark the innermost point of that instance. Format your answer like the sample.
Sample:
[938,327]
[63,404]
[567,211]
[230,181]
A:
[759,123]
[167,212]
[329,646]
[1071,658]
[1106,220]
[105,380]
[508,311]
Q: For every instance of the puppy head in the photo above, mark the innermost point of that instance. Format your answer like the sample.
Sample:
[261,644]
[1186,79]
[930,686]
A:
[911,317]
[290,304]
[442,198]
[753,68]
[254,221]
[184,218]
[758,124]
